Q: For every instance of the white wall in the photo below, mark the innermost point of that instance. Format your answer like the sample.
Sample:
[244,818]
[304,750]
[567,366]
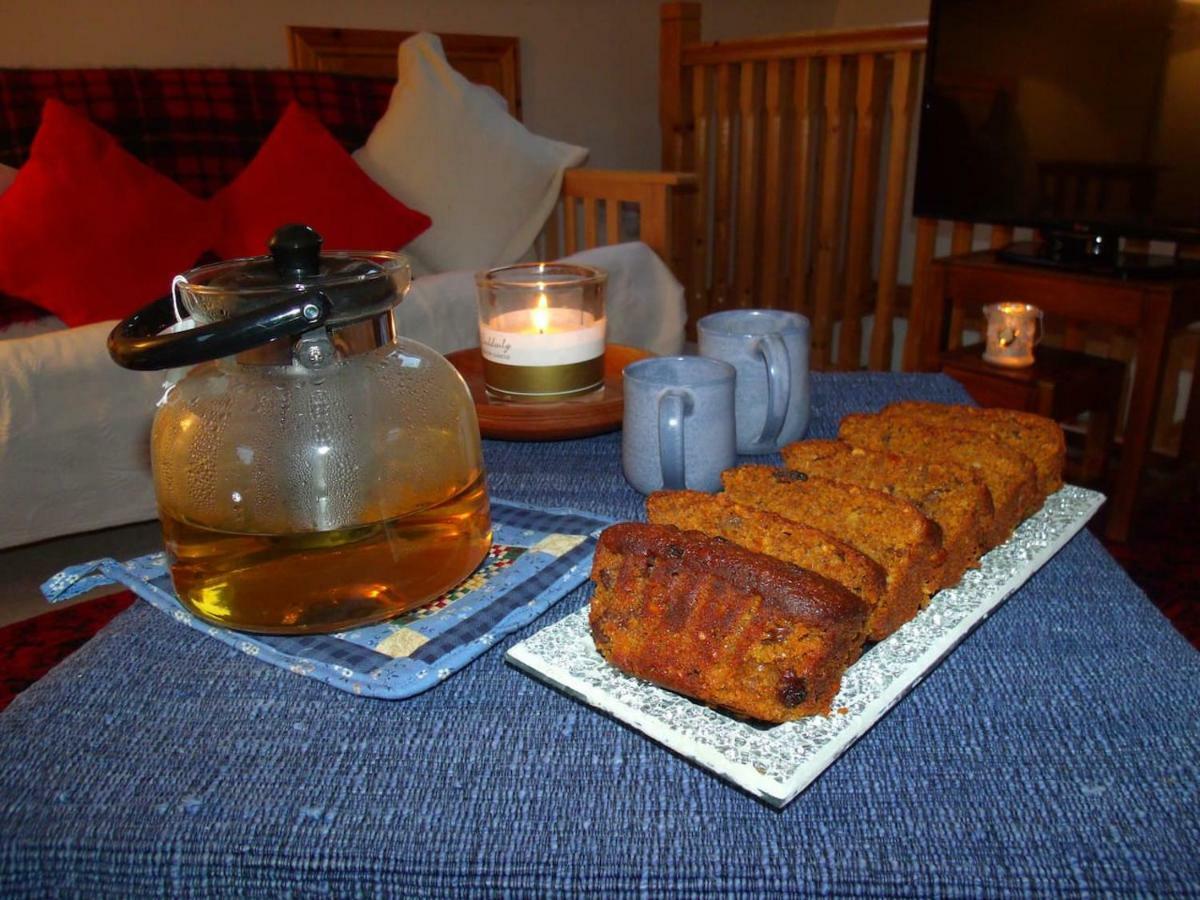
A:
[589,67]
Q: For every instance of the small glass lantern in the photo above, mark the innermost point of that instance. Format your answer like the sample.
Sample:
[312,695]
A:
[1013,330]
[542,330]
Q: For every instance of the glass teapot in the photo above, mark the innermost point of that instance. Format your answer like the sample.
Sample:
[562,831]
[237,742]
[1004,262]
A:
[314,472]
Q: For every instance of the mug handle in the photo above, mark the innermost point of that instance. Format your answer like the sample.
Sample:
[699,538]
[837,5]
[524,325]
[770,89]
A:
[673,407]
[779,385]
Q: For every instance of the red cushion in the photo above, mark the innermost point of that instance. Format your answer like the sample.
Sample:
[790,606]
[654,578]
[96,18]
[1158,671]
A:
[90,233]
[301,174]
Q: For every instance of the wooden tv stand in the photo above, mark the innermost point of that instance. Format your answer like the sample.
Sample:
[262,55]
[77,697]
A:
[1150,310]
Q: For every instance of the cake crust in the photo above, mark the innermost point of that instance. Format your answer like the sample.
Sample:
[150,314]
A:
[1010,475]
[888,530]
[953,496]
[714,621]
[1039,438]
[765,532]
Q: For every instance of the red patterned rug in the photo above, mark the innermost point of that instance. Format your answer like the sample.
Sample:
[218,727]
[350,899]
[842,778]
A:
[30,649]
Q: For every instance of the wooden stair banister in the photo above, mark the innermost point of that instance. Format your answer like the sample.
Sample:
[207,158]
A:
[787,136]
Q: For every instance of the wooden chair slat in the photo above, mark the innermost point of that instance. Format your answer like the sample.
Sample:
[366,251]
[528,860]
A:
[570,226]
[612,220]
[589,223]
[550,234]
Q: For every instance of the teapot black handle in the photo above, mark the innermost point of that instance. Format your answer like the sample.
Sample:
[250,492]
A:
[139,343]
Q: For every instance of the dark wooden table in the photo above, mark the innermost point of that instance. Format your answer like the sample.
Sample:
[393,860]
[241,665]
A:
[1149,310]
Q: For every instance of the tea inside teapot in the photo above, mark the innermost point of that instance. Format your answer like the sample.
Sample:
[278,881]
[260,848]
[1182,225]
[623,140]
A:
[323,473]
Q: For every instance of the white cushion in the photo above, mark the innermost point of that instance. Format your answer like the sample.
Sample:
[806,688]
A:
[446,148]
[74,436]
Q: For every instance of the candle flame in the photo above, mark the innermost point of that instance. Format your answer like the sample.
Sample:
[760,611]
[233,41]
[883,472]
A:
[541,315]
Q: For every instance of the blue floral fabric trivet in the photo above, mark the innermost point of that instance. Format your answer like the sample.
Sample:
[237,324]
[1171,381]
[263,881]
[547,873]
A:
[537,557]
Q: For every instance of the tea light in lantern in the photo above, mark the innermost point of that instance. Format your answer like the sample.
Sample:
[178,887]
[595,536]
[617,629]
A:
[542,339]
[1013,329]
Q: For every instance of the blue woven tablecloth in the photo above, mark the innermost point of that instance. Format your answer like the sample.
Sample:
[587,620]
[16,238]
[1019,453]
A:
[1057,750]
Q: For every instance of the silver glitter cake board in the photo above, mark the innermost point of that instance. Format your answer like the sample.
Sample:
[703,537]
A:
[776,763]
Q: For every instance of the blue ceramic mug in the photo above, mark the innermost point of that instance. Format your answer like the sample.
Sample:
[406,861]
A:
[678,421]
[769,349]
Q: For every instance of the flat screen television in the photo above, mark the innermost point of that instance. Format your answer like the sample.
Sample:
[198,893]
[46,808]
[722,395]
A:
[1080,118]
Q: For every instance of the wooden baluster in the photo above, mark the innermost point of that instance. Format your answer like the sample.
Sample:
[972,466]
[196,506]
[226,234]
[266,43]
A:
[962,238]
[746,261]
[830,206]
[893,213]
[570,235]
[772,186]
[722,205]
[550,247]
[679,25]
[700,299]
[922,343]
[960,244]
[803,149]
[860,233]
[612,221]
[1001,236]
[589,223]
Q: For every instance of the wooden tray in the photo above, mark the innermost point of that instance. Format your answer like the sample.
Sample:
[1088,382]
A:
[594,413]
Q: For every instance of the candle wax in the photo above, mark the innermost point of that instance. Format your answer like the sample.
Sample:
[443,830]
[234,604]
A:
[542,337]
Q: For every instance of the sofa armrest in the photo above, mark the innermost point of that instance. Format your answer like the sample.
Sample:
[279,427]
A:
[74,436]
[589,194]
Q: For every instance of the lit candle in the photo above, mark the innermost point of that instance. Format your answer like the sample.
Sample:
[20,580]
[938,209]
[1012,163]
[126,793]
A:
[1012,331]
[550,344]
[541,312]
[542,337]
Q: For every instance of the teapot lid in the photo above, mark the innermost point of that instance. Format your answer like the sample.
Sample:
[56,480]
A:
[357,285]
[241,304]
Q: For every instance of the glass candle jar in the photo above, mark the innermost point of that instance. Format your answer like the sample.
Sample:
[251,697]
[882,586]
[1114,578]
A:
[542,330]
[1013,329]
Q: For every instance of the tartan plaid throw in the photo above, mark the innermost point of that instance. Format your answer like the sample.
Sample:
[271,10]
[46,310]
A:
[199,127]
